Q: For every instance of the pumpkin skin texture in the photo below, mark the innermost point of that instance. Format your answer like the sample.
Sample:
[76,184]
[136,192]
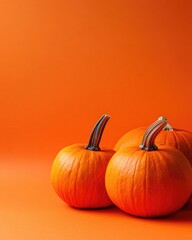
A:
[132,137]
[149,182]
[78,173]
[173,137]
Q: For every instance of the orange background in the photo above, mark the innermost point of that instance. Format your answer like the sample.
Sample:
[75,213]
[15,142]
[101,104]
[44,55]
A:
[65,63]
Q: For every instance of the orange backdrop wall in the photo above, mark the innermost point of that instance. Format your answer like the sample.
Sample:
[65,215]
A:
[65,63]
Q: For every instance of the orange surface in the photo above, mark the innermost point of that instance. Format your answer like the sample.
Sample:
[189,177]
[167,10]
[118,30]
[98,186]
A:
[65,63]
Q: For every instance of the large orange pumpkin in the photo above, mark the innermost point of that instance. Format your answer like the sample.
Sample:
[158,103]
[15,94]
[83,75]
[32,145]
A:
[177,138]
[147,180]
[78,172]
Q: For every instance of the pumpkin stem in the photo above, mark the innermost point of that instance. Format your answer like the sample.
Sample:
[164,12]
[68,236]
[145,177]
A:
[148,142]
[168,126]
[96,134]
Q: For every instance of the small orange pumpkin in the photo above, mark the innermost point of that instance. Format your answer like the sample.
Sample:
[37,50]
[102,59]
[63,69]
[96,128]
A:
[149,181]
[177,138]
[78,172]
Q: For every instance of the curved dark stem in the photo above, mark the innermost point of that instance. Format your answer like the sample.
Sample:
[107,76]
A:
[148,142]
[168,127]
[96,134]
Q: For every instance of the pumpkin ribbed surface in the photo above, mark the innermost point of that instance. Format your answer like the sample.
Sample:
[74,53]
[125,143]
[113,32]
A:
[148,184]
[78,176]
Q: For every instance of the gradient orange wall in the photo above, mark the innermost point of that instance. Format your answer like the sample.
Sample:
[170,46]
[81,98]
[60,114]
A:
[65,63]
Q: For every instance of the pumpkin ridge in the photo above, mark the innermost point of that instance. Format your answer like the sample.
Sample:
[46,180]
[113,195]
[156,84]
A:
[186,143]
[119,184]
[68,196]
[76,181]
[59,183]
[155,163]
[134,185]
[170,173]
[59,188]
[146,184]
[175,137]
[59,177]
[182,175]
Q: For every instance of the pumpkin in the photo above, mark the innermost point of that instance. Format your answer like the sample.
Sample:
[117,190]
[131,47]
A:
[149,180]
[78,171]
[177,138]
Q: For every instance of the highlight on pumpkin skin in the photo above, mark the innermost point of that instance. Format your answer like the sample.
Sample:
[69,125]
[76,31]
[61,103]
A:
[149,181]
[78,171]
